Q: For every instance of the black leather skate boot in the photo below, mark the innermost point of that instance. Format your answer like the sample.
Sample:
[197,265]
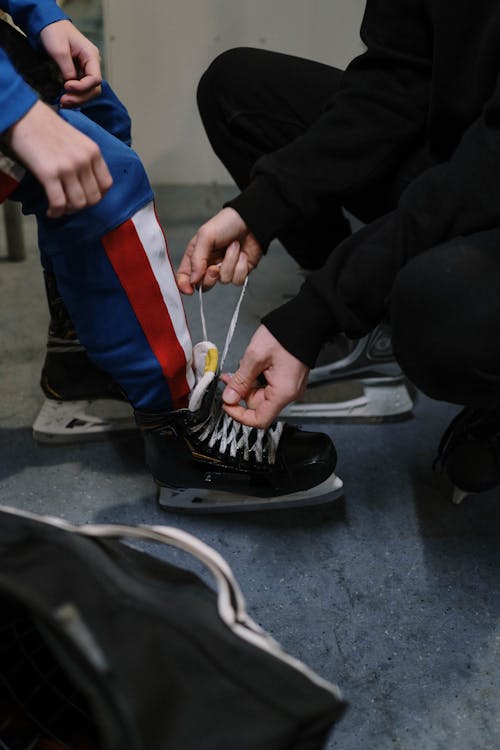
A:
[368,357]
[355,381]
[206,462]
[67,373]
[469,452]
[82,401]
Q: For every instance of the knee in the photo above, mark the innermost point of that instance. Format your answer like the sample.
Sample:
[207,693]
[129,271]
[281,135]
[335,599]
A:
[420,328]
[224,78]
[129,192]
[123,162]
[439,326]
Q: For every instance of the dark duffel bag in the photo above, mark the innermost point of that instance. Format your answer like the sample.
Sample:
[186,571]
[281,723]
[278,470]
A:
[104,647]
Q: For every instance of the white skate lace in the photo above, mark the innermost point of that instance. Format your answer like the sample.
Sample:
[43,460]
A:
[223,432]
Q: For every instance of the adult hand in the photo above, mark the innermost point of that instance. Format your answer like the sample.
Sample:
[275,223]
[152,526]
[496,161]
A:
[286,380]
[78,60]
[222,250]
[69,165]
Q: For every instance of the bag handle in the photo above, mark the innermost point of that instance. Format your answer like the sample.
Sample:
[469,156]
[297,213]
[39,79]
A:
[230,600]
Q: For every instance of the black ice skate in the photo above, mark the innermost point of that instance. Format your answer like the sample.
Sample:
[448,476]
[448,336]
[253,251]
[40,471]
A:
[81,401]
[469,452]
[205,461]
[355,380]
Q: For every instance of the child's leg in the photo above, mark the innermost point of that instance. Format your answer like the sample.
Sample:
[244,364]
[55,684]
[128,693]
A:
[108,111]
[114,274]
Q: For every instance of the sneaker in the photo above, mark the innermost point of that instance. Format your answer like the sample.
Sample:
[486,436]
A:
[469,452]
[368,357]
[206,461]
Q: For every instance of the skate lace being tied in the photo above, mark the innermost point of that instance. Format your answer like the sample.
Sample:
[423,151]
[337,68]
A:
[223,433]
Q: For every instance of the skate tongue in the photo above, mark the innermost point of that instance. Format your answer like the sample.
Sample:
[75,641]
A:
[205,360]
[206,356]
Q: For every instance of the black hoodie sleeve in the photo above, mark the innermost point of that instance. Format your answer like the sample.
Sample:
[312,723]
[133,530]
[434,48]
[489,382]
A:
[458,197]
[375,119]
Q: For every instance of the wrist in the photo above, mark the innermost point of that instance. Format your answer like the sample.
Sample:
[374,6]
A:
[238,225]
[302,325]
[36,16]
[16,130]
[262,209]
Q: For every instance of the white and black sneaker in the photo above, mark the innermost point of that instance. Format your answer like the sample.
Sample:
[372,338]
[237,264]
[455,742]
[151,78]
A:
[205,461]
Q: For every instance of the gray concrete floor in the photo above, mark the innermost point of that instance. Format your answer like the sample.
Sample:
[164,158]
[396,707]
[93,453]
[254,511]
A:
[393,592]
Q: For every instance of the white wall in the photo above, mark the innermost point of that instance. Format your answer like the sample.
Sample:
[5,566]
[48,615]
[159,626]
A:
[156,51]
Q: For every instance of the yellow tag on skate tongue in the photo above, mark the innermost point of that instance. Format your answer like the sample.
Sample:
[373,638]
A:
[211,360]
[205,361]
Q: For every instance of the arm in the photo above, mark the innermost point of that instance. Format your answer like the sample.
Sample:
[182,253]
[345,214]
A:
[350,294]
[33,15]
[78,59]
[458,197]
[47,27]
[222,250]
[376,118]
[16,97]
[23,68]
[68,164]
[286,380]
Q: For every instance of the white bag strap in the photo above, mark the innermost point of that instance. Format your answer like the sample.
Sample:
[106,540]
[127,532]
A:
[230,601]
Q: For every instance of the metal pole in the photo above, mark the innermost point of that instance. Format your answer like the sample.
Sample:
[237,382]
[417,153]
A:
[14,231]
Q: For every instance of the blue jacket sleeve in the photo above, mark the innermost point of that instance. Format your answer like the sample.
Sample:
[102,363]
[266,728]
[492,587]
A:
[33,15]
[16,97]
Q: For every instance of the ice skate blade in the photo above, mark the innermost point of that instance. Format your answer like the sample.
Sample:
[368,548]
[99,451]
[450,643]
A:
[459,495]
[368,400]
[80,421]
[213,501]
[327,373]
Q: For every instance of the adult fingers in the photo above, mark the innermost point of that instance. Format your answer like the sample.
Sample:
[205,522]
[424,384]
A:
[229,262]
[211,278]
[200,252]
[254,394]
[242,382]
[185,269]
[261,417]
[241,270]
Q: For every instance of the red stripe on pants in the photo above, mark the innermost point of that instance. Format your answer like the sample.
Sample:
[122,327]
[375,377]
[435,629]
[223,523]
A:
[130,262]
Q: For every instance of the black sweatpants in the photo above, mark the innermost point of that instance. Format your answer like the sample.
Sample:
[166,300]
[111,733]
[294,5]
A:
[445,304]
